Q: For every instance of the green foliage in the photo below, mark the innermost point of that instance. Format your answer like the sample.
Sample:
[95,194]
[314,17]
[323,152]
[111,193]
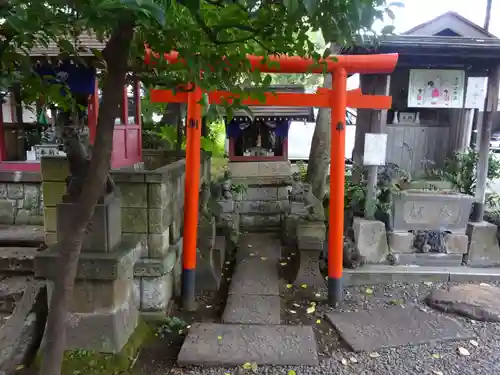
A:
[460,170]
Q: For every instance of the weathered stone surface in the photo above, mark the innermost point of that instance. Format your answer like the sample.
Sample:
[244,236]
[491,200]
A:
[311,235]
[53,192]
[7,211]
[476,301]
[371,239]
[54,168]
[430,259]
[21,235]
[15,191]
[257,206]
[17,259]
[156,292]
[396,326]
[413,209]
[483,244]
[309,272]
[155,267]
[265,222]
[252,309]
[135,220]
[19,333]
[133,194]
[259,245]
[457,243]
[372,274]
[289,230]
[263,344]
[227,205]
[11,291]
[255,276]
[401,242]
[26,217]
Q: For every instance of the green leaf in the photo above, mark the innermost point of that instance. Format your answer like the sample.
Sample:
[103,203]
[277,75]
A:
[311,6]
[267,80]
[388,29]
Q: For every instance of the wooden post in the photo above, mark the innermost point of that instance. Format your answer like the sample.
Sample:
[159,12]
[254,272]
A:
[337,179]
[378,124]
[491,105]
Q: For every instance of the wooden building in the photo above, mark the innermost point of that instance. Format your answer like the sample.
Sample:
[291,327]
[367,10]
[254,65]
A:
[19,120]
[418,133]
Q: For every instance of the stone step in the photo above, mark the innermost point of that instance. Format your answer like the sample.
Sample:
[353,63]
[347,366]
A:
[430,259]
[11,291]
[252,309]
[255,276]
[22,235]
[259,245]
[210,344]
[17,259]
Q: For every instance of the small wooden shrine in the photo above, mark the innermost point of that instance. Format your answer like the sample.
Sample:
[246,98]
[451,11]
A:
[265,137]
[28,131]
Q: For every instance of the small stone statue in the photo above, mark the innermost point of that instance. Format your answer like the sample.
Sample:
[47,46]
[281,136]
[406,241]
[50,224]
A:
[430,241]
[313,206]
[208,204]
[297,192]
[352,258]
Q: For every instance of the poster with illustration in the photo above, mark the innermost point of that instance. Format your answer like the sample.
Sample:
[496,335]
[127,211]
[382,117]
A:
[430,88]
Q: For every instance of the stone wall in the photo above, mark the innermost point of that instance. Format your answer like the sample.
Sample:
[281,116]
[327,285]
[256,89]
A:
[21,201]
[152,204]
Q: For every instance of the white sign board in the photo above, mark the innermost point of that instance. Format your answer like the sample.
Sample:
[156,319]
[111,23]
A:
[432,88]
[375,149]
[476,92]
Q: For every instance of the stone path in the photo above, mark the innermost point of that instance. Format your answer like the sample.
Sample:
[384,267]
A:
[250,329]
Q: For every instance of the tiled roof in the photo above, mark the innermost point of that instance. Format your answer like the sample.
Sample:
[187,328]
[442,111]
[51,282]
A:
[268,112]
[84,44]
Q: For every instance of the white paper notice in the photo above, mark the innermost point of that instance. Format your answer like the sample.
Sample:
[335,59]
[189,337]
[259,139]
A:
[375,149]
[476,92]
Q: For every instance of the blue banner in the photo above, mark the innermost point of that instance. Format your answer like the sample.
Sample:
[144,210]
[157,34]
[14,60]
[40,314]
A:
[79,79]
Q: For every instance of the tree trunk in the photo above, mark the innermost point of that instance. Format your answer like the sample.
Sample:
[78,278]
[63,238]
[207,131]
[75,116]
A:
[116,55]
[319,155]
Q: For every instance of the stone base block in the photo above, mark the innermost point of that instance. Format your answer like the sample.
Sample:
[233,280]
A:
[311,235]
[457,243]
[260,222]
[155,292]
[483,244]
[429,259]
[105,331]
[371,239]
[177,270]
[105,228]
[309,272]
[289,230]
[209,267]
[401,242]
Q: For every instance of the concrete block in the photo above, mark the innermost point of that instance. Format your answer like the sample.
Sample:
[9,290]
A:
[7,211]
[156,292]
[227,205]
[430,259]
[15,191]
[381,274]
[159,194]
[50,219]
[483,244]
[133,194]
[135,220]
[53,192]
[311,235]
[250,222]
[401,242]
[371,239]
[54,168]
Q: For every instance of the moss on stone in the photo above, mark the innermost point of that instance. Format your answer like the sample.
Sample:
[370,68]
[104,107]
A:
[88,362]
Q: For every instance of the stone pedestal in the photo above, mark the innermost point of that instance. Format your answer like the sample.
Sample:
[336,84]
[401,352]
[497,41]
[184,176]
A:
[210,259]
[483,244]
[371,239]
[103,312]
[310,240]
[105,229]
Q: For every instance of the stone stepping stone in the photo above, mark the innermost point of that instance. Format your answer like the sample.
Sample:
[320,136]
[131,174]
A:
[22,235]
[17,259]
[382,328]
[252,309]
[255,276]
[476,301]
[210,344]
[259,245]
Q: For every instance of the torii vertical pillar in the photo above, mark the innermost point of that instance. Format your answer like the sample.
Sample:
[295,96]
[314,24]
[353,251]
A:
[338,100]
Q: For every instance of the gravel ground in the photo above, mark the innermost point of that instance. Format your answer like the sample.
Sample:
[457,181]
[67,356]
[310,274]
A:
[338,359]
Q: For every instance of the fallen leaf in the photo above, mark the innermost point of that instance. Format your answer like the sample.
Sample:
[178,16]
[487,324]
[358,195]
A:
[289,286]
[474,343]
[428,283]
[343,361]
[292,311]
[247,366]
[254,367]
[437,372]
[369,291]
[249,245]
[317,294]
[296,305]
[263,258]
[292,253]
[219,338]
[252,254]
[485,284]
[228,279]
[19,368]
[227,262]
[353,359]
[284,264]
[303,286]
[395,302]
[318,321]
[291,372]
[463,351]
[436,355]
[311,309]
[188,327]
[374,355]
[209,306]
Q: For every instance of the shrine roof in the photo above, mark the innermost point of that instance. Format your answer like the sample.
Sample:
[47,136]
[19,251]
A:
[279,112]
[84,44]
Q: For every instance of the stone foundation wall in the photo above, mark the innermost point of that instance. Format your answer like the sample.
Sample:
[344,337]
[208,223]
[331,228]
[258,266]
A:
[152,205]
[21,201]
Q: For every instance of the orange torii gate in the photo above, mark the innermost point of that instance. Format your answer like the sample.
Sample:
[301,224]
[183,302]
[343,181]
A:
[336,98]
